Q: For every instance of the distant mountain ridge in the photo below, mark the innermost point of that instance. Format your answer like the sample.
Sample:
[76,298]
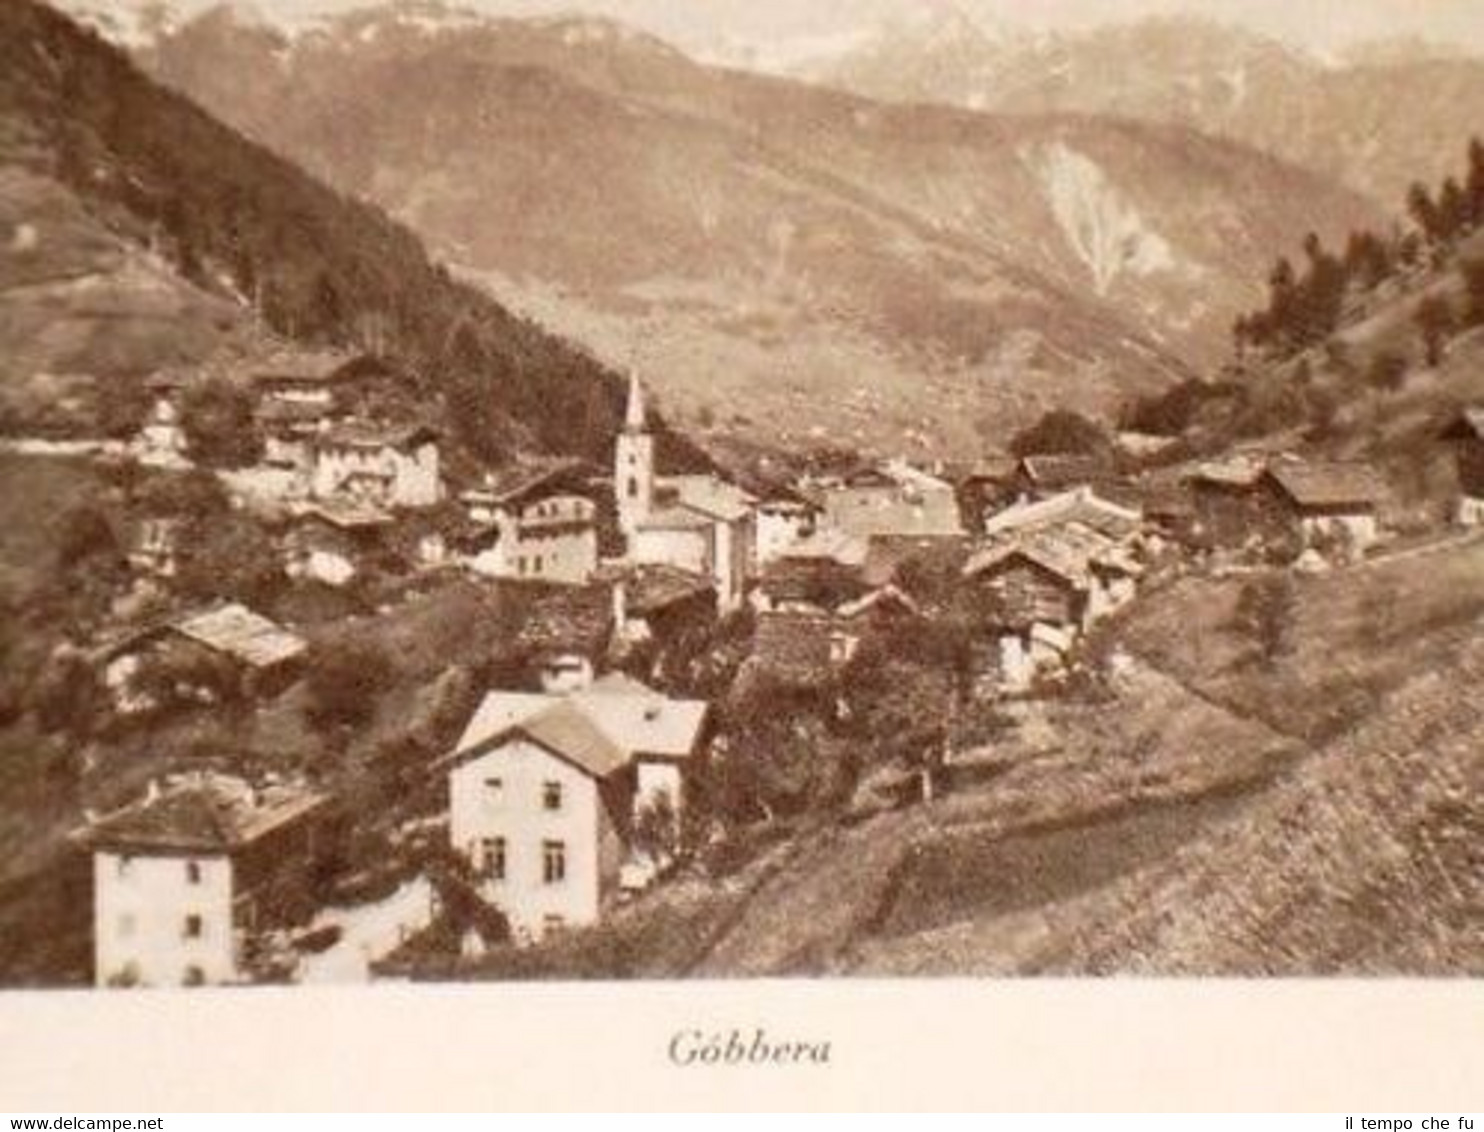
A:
[1377,118]
[765,250]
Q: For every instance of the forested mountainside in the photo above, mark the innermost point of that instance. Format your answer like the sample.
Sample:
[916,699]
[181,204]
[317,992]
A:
[137,175]
[766,250]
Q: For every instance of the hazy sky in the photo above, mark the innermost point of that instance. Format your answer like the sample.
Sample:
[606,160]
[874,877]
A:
[1321,24]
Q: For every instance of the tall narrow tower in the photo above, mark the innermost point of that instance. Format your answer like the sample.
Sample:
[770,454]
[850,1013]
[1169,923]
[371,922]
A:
[633,465]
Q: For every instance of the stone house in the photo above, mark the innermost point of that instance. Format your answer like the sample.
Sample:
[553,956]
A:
[335,542]
[385,466]
[1330,509]
[535,523]
[225,652]
[187,879]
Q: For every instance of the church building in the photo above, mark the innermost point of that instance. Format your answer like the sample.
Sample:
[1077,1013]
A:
[698,523]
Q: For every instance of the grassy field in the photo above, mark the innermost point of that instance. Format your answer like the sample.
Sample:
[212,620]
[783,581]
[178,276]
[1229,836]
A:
[1357,635]
[1360,856]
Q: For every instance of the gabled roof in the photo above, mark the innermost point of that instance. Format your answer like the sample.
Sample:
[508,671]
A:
[518,483]
[1328,485]
[1082,505]
[656,587]
[346,515]
[367,434]
[1071,552]
[498,712]
[1239,472]
[643,721]
[205,814]
[568,732]
[1056,470]
[568,619]
[238,632]
[710,496]
[631,719]
[884,595]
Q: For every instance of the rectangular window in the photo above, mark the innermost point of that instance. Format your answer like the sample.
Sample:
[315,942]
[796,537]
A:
[551,795]
[193,872]
[494,790]
[553,861]
[553,923]
[492,858]
[194,926]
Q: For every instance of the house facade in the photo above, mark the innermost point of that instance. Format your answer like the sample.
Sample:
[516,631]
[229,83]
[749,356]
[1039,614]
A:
[534,523]
[334,543]
[1036,594]
[184,880]
[383,467]
[541,817]
[546,793]
[553,540]
[161,441]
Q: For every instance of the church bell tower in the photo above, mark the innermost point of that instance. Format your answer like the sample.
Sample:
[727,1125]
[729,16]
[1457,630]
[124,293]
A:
[633,465]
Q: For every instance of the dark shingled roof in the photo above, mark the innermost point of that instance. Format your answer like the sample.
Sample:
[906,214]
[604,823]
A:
[794,646]
[1328,485]
[518,483]
[206,814]
[1058,470]
[575,619]
[366,434]
[818,581]
[654,588]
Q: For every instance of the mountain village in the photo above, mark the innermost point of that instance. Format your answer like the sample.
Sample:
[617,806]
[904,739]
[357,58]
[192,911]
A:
[624,517]
[580,780]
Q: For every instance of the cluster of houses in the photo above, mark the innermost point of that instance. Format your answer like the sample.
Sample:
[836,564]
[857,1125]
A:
[567,791]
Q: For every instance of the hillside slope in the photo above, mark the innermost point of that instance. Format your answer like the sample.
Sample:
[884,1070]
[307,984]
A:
[100,163]
[753,241]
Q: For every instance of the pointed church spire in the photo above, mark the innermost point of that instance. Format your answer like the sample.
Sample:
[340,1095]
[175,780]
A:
[634,418]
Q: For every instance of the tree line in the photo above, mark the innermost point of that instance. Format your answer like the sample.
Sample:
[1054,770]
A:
[1307,303]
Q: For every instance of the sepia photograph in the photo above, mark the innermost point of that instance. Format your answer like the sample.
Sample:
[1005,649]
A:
[608,491]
